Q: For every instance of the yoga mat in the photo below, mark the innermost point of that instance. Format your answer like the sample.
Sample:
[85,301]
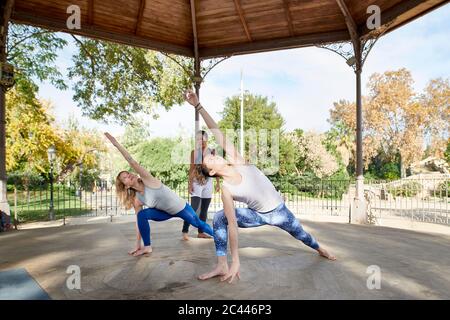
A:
[17,284]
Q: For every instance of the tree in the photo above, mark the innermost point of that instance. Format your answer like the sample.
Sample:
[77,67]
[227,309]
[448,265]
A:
[83,147]
[436,103]
[263,126]
[114,81]
[33,52]
[156,156]
[395,120]
[135,133]
[311,154]
[29,133]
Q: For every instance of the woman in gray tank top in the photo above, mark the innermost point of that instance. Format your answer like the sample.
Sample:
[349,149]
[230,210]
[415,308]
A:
[245,183]
[161,202]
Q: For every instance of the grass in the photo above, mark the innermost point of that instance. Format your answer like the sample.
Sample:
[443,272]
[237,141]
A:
[35,206]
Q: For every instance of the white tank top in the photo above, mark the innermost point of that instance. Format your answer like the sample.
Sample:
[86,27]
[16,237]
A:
[255,189]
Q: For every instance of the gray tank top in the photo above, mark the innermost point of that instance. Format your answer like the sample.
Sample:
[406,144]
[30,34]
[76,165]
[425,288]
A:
[163,199]
[255,189]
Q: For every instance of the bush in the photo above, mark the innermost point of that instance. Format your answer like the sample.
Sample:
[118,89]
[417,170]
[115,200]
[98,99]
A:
[442,190]
[407,189]
[32,180]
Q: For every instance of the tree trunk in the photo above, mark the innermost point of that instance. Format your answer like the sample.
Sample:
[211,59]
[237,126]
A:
[402,167]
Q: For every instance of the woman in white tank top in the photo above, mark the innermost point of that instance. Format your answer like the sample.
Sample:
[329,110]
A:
[245,183]
[200,186]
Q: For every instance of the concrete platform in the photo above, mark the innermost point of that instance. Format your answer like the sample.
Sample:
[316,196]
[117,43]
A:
[274,265]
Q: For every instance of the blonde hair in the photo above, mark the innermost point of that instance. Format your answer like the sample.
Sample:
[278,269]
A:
[126,195]
[198,175]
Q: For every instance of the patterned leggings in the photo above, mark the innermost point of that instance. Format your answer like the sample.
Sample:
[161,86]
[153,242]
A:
[280,217]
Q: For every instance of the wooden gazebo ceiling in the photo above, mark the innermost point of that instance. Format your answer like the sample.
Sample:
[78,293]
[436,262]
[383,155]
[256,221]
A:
[223,27]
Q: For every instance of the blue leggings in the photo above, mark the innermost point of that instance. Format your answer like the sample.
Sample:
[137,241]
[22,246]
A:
[280,217]
[187,214]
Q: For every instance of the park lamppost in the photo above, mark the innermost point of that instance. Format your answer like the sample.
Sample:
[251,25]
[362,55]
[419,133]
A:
[51,152]
[81,173]
[80,166]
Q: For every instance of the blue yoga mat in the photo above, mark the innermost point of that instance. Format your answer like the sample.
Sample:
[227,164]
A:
[17,284]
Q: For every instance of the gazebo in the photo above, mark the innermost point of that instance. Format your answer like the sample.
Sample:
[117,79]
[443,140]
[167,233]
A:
[204,29]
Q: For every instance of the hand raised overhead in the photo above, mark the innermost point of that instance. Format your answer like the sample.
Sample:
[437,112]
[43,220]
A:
[191,97]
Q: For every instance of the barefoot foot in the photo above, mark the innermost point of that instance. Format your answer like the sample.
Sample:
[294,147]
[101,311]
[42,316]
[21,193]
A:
[203,235]
[185,237]
[218,271]
[324,253]
[145,250]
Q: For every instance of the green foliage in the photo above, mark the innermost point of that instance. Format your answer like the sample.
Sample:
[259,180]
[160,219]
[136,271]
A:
[406,189]
[135,133]
[31,181]
[156,156]
[447,152]
[29,133]
[117,81]
[442,190]
[33,52]
[382,168]
[390,171]
[261,119]
[259,113]
[34,205]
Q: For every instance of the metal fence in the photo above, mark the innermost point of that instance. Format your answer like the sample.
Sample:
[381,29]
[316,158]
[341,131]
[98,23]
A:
[425,200]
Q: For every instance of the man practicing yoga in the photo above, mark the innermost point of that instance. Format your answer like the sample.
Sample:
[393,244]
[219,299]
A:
[245,183]
[162,203]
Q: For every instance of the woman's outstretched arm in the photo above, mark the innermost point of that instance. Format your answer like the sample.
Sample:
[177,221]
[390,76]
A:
[137,207]
[229,148]
[229,210]
[133,163]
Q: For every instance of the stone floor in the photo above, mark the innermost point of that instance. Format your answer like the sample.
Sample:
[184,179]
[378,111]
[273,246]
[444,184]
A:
[414,265]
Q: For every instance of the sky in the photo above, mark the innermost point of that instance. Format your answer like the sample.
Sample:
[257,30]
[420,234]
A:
[303,82]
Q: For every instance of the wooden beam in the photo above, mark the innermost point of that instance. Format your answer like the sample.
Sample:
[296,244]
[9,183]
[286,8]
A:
[98,33]
[91,12]
[275,44]
[237,4]
[396,11]
[287,12]
[139,17]
[194,29]
[351,25]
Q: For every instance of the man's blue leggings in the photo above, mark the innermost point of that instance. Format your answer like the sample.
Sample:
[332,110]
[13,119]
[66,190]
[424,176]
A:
[187,214]
[280,217]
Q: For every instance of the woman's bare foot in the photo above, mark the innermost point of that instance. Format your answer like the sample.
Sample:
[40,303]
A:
[324,253]
[143,251]
[203,235]
[220,270]
[185,237]
[131,252]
